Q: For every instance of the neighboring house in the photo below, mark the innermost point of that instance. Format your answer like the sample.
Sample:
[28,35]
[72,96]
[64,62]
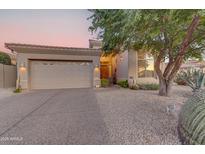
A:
[193,64]
[52,67]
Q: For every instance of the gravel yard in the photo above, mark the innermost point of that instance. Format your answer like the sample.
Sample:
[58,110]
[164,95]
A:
[141,117]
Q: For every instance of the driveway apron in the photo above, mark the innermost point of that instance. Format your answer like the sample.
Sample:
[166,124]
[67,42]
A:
[65,116]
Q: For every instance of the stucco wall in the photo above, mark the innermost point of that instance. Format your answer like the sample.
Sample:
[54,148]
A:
[23,59]
[133,70]
[132,67]
[1,76]
[122,66]
[147,80]
[7,76]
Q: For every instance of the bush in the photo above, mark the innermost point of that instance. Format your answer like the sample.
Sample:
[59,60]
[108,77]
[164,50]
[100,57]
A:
[5,58]
[104,83]
[18,90]
[123,83]
[148,86]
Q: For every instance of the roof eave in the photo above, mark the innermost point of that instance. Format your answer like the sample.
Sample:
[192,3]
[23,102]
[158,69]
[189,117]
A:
[28,48]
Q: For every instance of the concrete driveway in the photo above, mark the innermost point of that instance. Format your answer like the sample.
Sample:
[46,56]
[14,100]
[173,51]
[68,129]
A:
[6,92]
[66,116]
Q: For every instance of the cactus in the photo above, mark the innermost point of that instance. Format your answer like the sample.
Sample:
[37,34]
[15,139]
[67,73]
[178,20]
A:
[191,124]
[193,78]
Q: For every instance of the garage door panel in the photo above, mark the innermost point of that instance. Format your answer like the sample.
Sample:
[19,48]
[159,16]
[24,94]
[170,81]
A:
[54,75]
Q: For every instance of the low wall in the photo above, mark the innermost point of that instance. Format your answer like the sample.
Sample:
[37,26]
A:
[148,80]
[7,76]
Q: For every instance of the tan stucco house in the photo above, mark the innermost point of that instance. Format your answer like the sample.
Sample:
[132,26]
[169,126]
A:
[54,67]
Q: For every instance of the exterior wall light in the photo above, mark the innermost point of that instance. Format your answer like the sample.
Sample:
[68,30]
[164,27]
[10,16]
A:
[22,68]
[96,69]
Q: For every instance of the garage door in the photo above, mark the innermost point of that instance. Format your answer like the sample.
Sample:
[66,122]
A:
[60,74]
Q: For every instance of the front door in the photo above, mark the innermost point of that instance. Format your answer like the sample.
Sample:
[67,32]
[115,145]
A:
[104,71]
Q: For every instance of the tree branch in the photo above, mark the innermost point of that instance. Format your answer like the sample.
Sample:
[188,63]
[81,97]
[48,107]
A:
[157,65]
[184,46]
[168,68]
[171,60]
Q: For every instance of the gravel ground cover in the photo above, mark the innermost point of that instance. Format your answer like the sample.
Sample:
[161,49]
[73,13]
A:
[141,117]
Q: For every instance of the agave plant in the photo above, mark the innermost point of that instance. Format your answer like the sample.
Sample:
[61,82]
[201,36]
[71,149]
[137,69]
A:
[193,78]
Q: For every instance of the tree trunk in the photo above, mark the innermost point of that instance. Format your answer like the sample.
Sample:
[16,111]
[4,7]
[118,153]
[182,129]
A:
[164,87]
[173,67]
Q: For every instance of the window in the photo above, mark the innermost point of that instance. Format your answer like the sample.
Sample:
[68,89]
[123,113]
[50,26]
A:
[145,65]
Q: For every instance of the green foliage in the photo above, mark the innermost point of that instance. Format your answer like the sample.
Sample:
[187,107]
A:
[149,86]
[18,90]
[105,83]
[153,30]
[193,78]
[191,124]
[123,83]
[5,58]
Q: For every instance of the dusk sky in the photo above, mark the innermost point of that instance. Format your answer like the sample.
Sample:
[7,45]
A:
[45,27]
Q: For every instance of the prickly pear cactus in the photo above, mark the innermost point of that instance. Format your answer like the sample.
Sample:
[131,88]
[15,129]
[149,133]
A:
[191,125]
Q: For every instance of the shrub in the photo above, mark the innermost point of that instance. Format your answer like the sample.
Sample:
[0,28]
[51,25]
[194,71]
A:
[5,58]
[193,78]
[18,90]
[104,82]
[123,83]
[149,86]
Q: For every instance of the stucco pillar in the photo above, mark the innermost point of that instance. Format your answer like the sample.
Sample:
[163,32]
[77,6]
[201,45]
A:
[96,73]
[132,67]
[22,73]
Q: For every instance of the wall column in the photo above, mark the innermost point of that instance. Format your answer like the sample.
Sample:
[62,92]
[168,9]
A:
[132,67]
[22,73]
